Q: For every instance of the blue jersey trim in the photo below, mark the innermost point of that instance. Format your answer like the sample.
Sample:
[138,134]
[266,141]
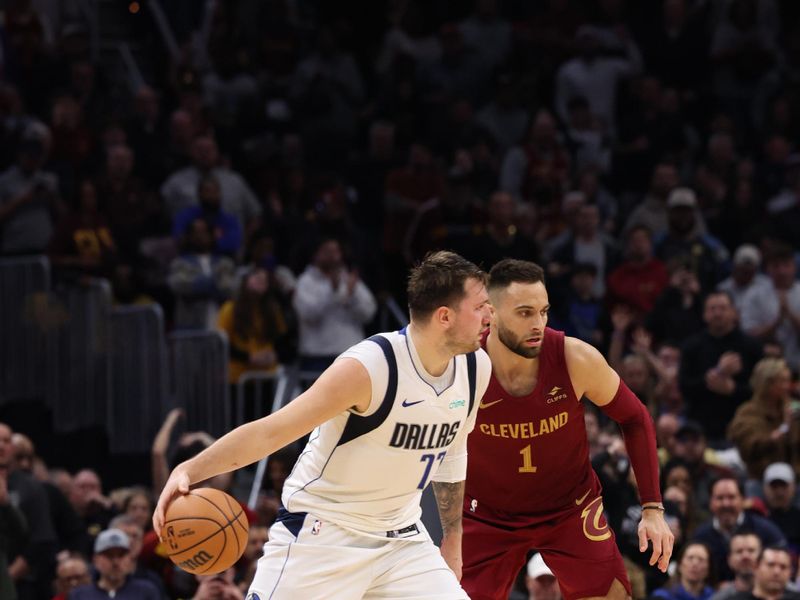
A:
[472,375]
[357,426]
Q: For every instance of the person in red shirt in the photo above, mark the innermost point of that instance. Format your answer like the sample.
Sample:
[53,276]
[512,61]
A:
[641,277]
[530,482]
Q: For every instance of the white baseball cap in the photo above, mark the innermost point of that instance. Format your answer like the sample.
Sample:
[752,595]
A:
[778,471]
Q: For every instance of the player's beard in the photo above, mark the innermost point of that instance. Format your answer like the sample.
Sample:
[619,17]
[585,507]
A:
[513,342]
[461,346]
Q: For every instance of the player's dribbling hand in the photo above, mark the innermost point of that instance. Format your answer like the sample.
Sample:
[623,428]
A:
[653,527]
[178,483]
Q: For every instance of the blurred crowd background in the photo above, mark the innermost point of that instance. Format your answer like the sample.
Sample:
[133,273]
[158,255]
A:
[262,173]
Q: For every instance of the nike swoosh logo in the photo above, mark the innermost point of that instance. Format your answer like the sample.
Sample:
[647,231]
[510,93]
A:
[488,404]
[406,403]
[580,500]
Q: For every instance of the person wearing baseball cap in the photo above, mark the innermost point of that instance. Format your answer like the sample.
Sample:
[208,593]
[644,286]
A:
[540,581]
[113,565]
[779,492]
[745,275]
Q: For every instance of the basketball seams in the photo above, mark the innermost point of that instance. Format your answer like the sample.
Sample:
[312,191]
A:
[226,522]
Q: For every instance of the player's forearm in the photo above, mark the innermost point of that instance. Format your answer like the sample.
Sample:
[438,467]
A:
[450,501]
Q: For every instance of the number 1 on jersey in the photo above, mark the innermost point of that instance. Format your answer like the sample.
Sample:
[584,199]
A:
[429,459]
[527,462]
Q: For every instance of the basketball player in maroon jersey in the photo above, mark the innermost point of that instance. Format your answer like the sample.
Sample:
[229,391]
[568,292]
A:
[530,483]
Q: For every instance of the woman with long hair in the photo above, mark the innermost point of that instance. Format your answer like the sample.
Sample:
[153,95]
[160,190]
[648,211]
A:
[765,428]
[693,578]
[254,323]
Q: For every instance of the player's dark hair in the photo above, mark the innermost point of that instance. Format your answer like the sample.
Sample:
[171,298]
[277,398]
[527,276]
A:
[439,281]
[511,270]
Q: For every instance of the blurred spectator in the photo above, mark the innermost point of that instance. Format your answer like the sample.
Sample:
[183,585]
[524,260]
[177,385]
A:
[772,575]
[745,275]
[181,189]
[766,429]
[29,196]
[745,547]
[652,210]
[112,561]
[537,169]
[540,581]
[694,576]
[773,313]
[587,243]
[217,587]
[716,366]
[126,286]
[33,559]
[503,118]
[704,466]
[138,505]
[13,528]
[332,306]
[595,74]
[131,206]
[72,572]
[685,241]
[487,32]
[499,237]
[580,308]
[146,131]
[640,277]
[226,228]
[128,525]
[254,324]
[68,525]
[678,311]
[729,517]
[779,496]
[82,242]
[200,280]
[261,254]
[257,536]
[94,509]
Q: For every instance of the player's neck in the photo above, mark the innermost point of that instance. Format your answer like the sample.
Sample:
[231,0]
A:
[432,353]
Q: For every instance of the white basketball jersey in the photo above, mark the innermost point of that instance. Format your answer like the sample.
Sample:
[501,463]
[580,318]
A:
[366,471]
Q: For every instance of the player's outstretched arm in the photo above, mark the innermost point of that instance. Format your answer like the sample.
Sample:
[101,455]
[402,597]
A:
[593,377]
[344,385]
[450,501]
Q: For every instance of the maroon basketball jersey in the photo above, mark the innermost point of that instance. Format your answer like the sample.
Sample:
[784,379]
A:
[529,455]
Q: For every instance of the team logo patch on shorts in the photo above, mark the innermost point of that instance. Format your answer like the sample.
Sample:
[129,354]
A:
[253,596]
[595,526]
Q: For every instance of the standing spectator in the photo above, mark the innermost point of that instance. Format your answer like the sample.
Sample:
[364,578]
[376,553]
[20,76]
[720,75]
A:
[729,517]
[111,559]
[685,240]
[226,227]
[779,492]
[72,572]
[765,429]
[595,74]
[502,118]
[29,201]
[745,275]
[146,131]
[693,578]
[332,306]
[716,366]
[652,210]
[640,277]
[678,311]
[487,32]
[181,188]
[94,509]
[13,529]
[200,280]
[254,324]
[31,566]
[745,547]
[540,581]
[773,313]
[772,575]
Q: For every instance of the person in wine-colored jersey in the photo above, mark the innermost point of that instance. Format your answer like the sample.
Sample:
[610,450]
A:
[530,483]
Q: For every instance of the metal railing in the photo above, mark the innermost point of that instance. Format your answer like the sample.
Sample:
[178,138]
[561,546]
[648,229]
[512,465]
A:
[25,316]
[139,398]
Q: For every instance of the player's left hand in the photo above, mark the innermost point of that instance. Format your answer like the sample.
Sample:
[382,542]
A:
[451,552]
[653,527]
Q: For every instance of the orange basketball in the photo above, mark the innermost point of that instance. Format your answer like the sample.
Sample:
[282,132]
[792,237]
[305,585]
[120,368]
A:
[205,531]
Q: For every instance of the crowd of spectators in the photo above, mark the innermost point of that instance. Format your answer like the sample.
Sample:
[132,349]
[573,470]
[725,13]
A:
[277,175]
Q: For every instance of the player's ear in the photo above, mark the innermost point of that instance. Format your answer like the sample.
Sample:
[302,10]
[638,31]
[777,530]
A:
[443,316]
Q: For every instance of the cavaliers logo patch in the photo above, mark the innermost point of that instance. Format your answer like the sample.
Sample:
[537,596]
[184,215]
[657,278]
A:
[595,526]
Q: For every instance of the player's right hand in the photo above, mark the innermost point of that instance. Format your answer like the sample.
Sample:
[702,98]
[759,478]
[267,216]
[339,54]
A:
[178,483]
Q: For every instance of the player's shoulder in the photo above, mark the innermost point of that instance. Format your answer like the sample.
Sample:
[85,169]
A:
[581,355]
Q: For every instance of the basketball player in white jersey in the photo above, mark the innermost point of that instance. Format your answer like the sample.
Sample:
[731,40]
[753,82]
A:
[391,413]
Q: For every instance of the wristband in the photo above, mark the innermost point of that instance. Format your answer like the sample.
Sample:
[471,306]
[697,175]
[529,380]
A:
[653,507]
